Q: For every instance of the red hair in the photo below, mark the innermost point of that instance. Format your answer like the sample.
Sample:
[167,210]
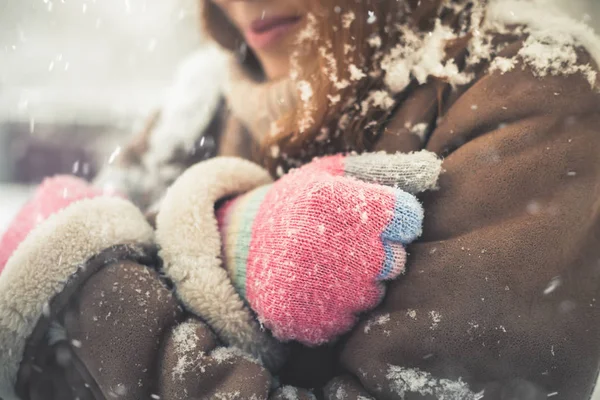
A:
[346,36]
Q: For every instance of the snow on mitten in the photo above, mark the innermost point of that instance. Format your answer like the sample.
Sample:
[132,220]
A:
[309,253]
[289,235]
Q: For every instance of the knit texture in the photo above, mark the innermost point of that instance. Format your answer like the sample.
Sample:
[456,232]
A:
[414,172]
[238,216]
[53,195]
[309,253]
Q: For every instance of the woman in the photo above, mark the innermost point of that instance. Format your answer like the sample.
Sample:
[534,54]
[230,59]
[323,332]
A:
[499,297]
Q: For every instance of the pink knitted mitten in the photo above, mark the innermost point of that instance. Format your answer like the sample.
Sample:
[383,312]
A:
[310,252]
[53,195]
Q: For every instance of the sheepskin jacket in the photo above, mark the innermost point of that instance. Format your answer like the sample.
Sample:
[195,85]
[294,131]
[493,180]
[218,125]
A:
[501,295]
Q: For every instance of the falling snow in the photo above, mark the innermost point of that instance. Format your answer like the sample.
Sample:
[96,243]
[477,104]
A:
[552,285]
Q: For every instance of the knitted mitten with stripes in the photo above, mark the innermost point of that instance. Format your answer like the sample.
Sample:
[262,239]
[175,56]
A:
[311,252]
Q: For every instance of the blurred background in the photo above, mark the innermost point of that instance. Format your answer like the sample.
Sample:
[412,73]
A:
[77,76]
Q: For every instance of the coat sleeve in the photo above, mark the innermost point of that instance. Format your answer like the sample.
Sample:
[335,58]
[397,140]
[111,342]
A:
[500,299]
[129,339]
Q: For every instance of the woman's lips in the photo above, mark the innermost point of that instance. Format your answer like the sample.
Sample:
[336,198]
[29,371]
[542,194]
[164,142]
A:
[265,32]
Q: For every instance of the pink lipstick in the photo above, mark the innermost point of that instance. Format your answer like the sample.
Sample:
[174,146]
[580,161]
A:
[265,32]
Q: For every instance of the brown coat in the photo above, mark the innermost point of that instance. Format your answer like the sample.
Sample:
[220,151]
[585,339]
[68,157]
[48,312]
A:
[501,291]
[86,314]
[132,341]
[500,297]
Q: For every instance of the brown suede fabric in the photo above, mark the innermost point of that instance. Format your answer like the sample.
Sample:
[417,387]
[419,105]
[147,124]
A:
[118,332]
[120,319]
[500,293]
[501,289]
[193,367]
[309,367]
[500,296]
[347,388]
[44,362]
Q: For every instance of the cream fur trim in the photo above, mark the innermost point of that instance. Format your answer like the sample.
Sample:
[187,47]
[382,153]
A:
[190,243]
[41,266]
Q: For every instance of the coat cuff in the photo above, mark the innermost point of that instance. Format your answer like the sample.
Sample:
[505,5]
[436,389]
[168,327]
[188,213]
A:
[190,242]
[47,259]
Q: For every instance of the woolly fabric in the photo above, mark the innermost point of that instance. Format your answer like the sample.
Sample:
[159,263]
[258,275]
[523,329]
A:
[309,252]
[42,264]
[53,195]
[238,216]
[413,172]
[270,100]
[190,243]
